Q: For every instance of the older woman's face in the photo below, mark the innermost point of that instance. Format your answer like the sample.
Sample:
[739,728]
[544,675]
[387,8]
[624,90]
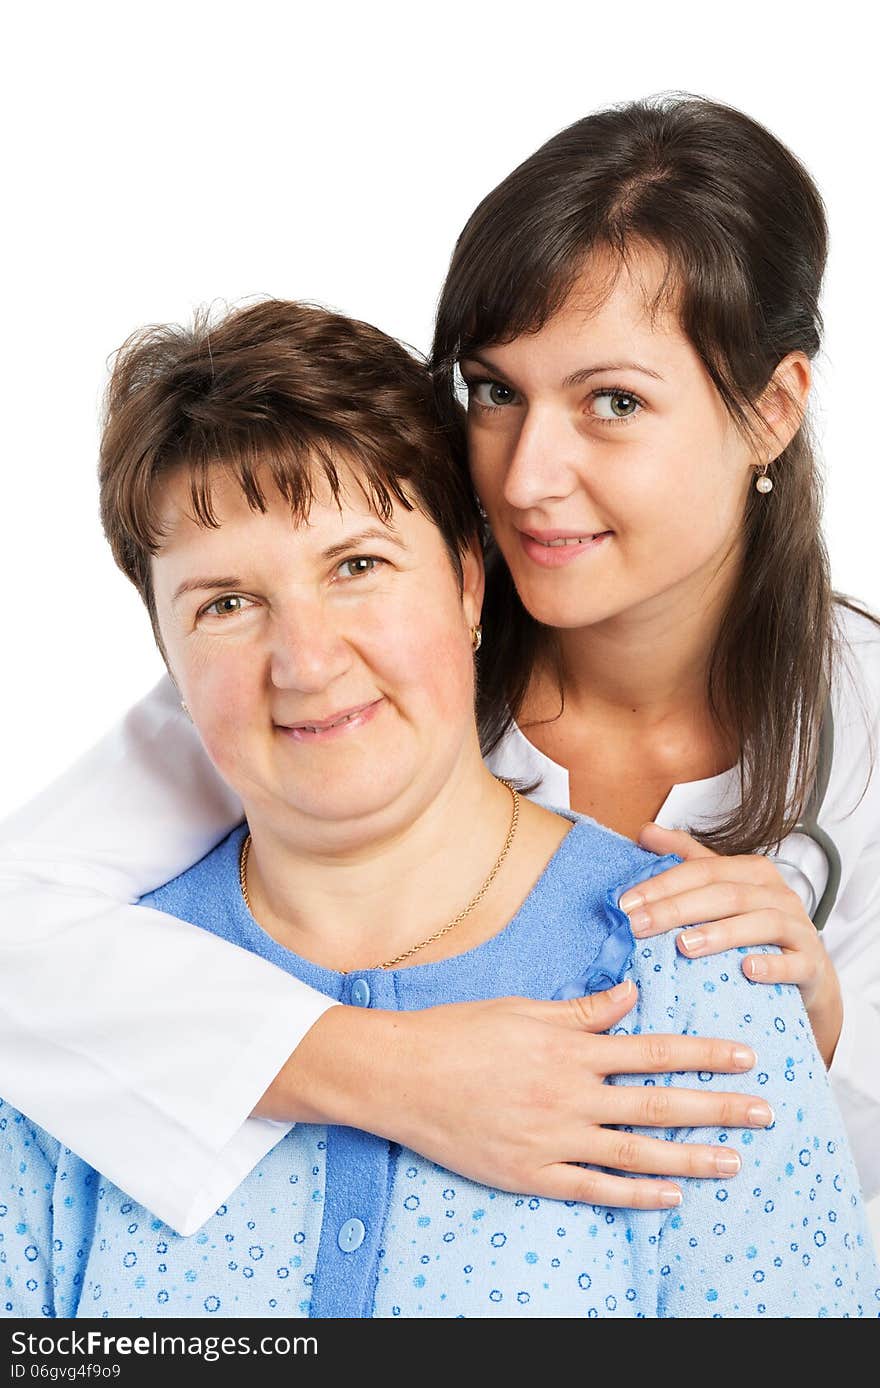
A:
[327,666]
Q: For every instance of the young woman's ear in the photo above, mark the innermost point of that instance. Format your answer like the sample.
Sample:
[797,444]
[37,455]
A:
[783,403]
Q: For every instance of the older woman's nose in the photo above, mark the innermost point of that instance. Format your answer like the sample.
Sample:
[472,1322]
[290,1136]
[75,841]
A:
[308,652]
[543,464]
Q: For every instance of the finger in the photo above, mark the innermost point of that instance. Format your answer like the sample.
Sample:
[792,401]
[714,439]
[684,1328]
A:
[589,1187]
[654,1107]
[659,840]
[592,1012]
[651,1054]
[769,927]
[623,1151]
[704,872]
[717,902]
[779,968]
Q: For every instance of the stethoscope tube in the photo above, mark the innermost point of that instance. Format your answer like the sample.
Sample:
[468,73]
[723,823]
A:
[809,825]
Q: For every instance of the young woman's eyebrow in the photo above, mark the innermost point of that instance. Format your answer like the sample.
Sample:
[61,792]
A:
[577,378]
[487,365]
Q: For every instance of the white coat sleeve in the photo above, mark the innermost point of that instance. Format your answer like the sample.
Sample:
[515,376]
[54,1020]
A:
[140,1041]
[852,934]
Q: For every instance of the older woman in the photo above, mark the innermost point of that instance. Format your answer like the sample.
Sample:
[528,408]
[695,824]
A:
[305,540]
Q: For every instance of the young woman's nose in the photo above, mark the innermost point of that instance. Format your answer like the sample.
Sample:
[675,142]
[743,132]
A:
[307,650]
[542,464]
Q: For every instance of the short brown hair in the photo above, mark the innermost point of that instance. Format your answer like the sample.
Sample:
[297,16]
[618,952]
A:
[282,385]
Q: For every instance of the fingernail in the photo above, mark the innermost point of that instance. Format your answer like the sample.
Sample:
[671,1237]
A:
[692,941]
[760,1116]
[640,922]
[743,1057]
[629,900]
[620,990]
[757,968]
[728,1165]
[670,1197]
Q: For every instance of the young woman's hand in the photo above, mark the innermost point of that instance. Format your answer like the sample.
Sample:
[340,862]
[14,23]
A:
[511,1093]
[738,902]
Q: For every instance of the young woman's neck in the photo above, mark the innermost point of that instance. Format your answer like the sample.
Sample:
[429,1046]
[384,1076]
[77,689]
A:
[370,897]
[651,662]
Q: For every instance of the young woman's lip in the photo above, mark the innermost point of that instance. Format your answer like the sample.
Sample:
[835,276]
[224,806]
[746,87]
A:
[343,718]
[538,546]
[546,537]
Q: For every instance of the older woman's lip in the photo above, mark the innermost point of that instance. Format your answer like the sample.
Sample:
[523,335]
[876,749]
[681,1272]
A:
[312,729]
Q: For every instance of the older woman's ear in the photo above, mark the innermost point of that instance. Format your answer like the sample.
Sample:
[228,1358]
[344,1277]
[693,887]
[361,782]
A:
[473,584]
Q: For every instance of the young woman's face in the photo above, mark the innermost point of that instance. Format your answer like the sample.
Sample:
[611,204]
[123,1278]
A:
[327,666]
[613,477]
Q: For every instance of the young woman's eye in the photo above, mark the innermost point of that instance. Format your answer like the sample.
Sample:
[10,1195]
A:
[615,404]
[359,567]
[227,606]
[492,395]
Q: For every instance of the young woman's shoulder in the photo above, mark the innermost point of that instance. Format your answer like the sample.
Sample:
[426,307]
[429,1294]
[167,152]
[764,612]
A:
[857,632]
[856,668]
[851,808]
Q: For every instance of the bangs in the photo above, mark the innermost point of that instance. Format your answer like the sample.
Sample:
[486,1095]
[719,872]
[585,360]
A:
[298,464]
[507,308]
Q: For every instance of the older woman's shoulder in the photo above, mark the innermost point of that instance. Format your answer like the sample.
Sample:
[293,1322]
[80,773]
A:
[211,879]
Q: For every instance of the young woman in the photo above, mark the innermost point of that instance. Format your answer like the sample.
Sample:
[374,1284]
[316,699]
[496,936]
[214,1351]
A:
[667,640]
[307,545]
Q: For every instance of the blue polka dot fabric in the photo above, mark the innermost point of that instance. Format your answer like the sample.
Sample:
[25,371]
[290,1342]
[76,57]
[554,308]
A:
[338,1223]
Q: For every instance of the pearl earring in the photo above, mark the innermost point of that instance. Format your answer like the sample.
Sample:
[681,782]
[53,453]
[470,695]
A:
[763,483]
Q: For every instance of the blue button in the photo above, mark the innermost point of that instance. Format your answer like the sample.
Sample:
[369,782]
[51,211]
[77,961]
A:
[351,1235]
[360,993]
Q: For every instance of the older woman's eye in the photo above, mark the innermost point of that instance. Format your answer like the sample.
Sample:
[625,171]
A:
[226,606]
[491,394]
[360,566]
[615,404]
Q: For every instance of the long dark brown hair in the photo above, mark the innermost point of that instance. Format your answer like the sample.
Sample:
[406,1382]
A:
[742,227]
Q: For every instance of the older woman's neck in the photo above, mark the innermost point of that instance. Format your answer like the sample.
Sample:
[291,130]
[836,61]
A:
[354,895]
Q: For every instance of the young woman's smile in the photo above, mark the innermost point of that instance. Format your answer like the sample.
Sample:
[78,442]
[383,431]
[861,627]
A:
[552,549]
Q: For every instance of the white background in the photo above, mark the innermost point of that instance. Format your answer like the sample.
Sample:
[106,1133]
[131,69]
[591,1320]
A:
[162,156]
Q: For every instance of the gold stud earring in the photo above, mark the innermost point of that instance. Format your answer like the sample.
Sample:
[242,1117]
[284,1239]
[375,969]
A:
[476,637]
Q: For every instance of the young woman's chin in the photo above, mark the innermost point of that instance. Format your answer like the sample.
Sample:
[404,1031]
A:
[557,601]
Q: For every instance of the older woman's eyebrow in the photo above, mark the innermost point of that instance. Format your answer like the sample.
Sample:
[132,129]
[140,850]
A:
[199,585]
[370,532]
[576,378]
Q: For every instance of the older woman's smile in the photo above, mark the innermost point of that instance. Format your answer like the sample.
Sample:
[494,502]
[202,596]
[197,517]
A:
[321,729]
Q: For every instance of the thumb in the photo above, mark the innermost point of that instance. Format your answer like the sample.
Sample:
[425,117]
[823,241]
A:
[594,1011]
[659,840]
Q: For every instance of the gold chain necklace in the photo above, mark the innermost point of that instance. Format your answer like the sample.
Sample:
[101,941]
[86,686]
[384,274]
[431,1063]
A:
[438,934]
